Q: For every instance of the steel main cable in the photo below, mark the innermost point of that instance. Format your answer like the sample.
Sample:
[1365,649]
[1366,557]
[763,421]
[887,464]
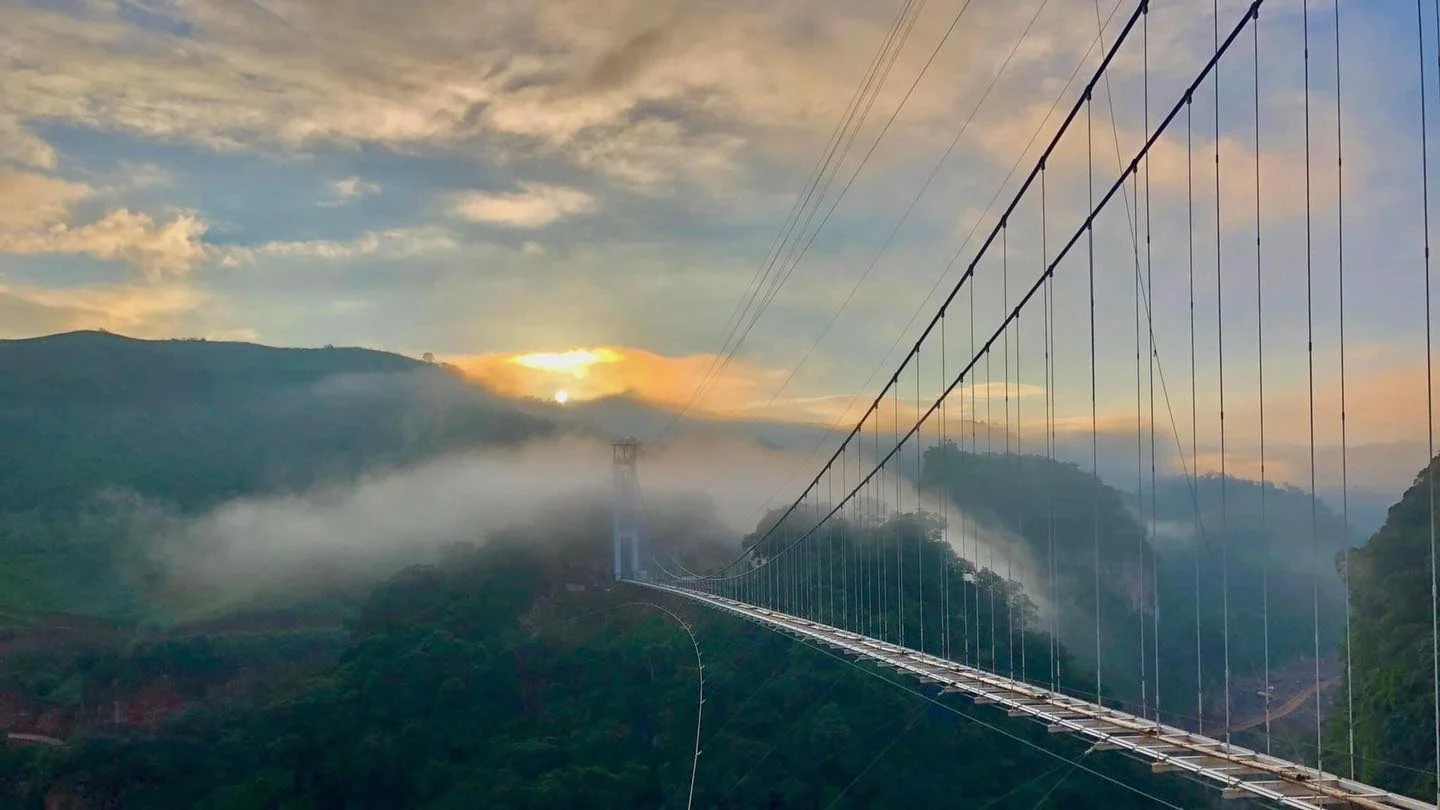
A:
[798,256]
[1250,13]
[955,257]
[1429,385]
[1344,437]
[934,172]
[881,62]
[795,252]
[994,233]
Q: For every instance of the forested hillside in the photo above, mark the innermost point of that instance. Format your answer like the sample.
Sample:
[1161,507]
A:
[1392,657]
[1260,540]
[514,675]
[91,423]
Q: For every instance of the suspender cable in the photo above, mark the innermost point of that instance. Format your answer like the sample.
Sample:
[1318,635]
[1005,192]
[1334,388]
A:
[831,617]
[1131,222]
[974,451]
[857,511]
[1094,413]
[797,255]
[1049,312]
[867,573]
[1014,203]
[898,511]
[872,540]
[1150,360]
[942,457]
[1344,438]
[1429,395]
[1085,228]
[879,69]
[1260,381]
[914,202]
[990,458]
[1194,401]
[1140,474]
[846,551]
[1009,457]
[877,506]
[1020,469]
[1220,365]
[919,510]
[1310,361]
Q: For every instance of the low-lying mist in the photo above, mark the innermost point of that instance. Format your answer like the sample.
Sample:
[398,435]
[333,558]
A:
[257,549]
[280,549]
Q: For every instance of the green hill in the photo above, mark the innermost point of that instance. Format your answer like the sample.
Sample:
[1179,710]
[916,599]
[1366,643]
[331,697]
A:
[186,425]
[1391,662]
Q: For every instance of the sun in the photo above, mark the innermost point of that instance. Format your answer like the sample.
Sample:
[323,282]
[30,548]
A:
[576,362]
[561,397]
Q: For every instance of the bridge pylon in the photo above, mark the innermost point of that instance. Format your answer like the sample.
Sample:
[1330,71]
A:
[627,511]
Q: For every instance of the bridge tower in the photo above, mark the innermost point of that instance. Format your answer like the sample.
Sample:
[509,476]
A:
[627,511]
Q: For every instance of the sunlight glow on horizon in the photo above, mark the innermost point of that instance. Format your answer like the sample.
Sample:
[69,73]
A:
[575,362]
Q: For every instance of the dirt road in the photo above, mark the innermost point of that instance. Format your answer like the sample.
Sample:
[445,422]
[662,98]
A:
[1295,702]
[32,739]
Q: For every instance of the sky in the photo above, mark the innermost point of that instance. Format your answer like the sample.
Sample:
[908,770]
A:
[485,181]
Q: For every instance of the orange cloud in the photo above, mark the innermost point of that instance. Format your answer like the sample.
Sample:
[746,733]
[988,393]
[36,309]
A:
[592,373]
[740,391]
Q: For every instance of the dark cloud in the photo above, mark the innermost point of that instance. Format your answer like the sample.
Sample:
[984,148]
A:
[626,62]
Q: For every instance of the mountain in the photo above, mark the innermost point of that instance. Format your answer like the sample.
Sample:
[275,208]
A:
[198,422]
[1391,660]
[89,419]
[1014,507]
[624,415]
[1257,540]
[1274,546]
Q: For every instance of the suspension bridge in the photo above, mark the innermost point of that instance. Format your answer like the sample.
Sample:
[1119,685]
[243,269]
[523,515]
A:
[1190,254]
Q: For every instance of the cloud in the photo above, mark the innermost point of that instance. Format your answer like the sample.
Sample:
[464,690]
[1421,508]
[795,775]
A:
[534,206]
[1173,168]
[395,242]
[386,521]
[159,249]
[639,91]
[19,145]
[612,371]
[138,176]
[351,188]
[141,310]
[30,201]
[34,220]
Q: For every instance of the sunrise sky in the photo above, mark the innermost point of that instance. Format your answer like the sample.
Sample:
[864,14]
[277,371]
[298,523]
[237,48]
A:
[496,179]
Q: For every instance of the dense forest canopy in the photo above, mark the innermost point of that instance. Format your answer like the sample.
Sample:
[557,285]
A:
[1391,655]
[486,682]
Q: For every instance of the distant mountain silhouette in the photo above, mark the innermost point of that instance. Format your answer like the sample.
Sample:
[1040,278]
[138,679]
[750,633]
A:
[194,422]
